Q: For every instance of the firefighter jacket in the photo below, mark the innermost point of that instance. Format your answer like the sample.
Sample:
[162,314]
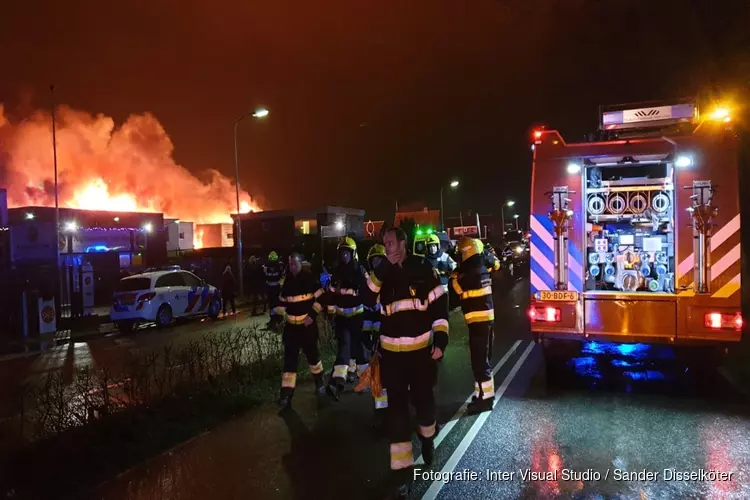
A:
[274,272]
[472,282]
[299,299]
[414,305]
[343,298]
[444,265]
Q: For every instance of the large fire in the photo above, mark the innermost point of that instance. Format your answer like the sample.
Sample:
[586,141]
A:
[104,167]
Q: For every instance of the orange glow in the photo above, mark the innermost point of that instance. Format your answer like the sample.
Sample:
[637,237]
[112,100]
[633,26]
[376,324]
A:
[198,239]
[109,167]
[537,134]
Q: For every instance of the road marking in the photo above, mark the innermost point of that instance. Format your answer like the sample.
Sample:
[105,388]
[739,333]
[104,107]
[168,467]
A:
[462,410]
[458,454]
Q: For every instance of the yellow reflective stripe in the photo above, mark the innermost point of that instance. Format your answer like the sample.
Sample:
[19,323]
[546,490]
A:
[477,316]
[456,287]
[406,344]
[479,292]
[317,307]
[346,311]
[405,305]
[298,298]
[318,293]
[435,293]
[376,327]
[488,389]
[331,309]
[288,379]
[340,371]
[401,455]
[279,310]
[440,325]
[296,320]
[316,368]
[373,283]
[381,401]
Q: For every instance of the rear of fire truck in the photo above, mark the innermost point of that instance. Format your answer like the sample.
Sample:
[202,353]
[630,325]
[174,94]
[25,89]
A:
[635,236]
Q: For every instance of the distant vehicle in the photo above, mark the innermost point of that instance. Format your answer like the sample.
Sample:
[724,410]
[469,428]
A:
[161,296]
[515,257]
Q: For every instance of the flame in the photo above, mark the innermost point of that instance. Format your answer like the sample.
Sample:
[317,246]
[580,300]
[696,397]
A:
[198,239]
[101,166]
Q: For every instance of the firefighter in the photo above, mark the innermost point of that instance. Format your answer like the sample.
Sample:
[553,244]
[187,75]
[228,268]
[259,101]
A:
[440,260]
[371,330]
[413,336]
[298,303]
[344,302]
[273,271]
[472,283]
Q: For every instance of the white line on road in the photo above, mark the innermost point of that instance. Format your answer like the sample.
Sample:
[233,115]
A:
[458,454]
[462,410]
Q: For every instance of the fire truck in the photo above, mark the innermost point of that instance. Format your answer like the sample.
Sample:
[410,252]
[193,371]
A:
[635,233]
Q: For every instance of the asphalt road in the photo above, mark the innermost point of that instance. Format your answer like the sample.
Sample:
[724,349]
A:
[110,350]
[611,411]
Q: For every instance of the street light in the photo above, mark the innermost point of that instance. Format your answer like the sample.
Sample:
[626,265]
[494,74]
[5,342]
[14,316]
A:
[515,216]
[508,203]
[453,185]
[257,114]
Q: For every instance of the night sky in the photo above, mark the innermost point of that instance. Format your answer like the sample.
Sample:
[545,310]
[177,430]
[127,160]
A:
[371,102]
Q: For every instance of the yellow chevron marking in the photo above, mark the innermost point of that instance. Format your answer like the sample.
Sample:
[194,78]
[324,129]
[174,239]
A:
[729,289]
[687,293]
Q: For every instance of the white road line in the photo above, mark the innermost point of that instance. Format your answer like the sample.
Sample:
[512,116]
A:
[458,454]
[462,410]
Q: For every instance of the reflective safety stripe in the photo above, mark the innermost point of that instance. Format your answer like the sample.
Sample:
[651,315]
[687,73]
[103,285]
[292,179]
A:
[435,293]
[366,326]
[382,400]
[345,291]
[456,287]
[404,305]
[339,371]
[440,325]
[318,293]
[289,379]
[317,368]
[373,283]
[297,320]
[298,298]
[477,316]
[427,431]
[361,369]
[488,389]
[479,292]
[346,311]
[406,344]
[272,283]
[279,310]
[376,326]
[352,366]
[401,455]
[317,307]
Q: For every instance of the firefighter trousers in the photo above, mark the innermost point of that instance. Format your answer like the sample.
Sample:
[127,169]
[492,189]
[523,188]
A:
[479,345]
[351,346]
[296,338]
[408,376]
[273,301]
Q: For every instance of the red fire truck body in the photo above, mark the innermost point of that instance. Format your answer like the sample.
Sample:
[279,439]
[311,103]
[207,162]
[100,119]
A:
[636,237]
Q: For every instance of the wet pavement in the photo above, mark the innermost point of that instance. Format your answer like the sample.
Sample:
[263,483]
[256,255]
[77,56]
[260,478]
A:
[608,418]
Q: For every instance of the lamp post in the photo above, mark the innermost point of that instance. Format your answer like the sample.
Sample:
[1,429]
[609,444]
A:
[516,217]
[453,185]
[508,203]
[258,113]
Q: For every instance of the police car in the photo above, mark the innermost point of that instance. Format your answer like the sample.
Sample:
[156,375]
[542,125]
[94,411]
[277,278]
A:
[161,296]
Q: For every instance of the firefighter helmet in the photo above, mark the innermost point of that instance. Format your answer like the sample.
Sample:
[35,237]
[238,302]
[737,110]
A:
[273,257]
[348,244]
[377,250]
[432,239]
[468,247]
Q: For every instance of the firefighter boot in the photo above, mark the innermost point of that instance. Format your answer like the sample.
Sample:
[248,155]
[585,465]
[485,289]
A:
[285,401]
[428,446]
[334,388]
[400,479]
[319,384]
[479,404]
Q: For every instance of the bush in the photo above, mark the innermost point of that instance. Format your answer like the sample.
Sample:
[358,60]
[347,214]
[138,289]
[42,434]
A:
[103,421]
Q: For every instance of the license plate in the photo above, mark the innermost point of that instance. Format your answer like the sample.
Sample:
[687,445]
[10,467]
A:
[558,296]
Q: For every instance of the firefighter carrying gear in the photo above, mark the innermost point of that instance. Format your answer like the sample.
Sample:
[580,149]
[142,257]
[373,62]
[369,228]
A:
[343,301]
[415,321]
[298,302]
[273,271]
[472,282]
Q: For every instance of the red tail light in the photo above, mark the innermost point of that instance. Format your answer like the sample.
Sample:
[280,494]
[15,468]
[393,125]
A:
[545,314]
[537,135]
[143,299]
[723,321]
